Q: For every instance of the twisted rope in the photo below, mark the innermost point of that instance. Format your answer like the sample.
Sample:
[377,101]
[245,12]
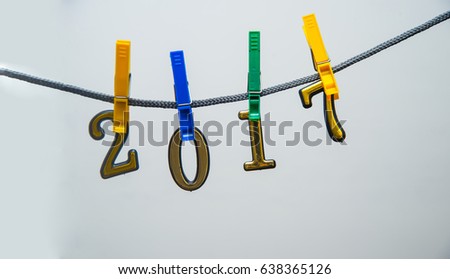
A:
[231,98]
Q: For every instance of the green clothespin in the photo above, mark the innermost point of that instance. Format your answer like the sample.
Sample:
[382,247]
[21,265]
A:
[254,76]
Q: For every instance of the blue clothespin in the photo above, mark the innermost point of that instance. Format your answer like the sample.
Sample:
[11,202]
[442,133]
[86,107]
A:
[182,96]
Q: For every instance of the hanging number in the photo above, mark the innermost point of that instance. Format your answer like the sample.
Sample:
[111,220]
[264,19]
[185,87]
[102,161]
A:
[176,167]
[109,168]
[187,131]
[332,122]
[259,161]
[327,83]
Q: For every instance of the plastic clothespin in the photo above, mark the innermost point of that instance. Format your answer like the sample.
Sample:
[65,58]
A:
[182,96]
[320,56]
[121,87]
[254,76]
[327,82]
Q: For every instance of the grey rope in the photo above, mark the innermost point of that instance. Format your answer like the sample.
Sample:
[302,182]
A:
[231,98]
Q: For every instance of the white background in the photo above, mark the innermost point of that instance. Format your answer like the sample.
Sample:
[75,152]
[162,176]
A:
[383,195]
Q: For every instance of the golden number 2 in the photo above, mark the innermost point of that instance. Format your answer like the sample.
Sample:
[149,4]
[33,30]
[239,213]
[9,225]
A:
[109,167]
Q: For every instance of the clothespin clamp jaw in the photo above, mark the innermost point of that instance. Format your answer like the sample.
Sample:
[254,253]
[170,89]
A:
[327,83]
[254,76]
[122,87]
[182,96]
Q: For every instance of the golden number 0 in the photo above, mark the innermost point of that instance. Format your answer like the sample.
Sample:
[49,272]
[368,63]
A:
[176,167]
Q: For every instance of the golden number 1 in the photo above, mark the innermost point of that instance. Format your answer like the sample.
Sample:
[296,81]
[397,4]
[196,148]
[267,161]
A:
[109,168]
[259,162]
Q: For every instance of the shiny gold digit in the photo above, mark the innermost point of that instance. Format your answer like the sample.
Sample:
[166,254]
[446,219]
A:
[259,161]
[109,168]
[308,92]
[333,126]
[176,167]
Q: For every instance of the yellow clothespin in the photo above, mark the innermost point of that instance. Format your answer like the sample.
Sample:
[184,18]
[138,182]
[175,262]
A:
[119,116]
[327,83]
[122,87]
